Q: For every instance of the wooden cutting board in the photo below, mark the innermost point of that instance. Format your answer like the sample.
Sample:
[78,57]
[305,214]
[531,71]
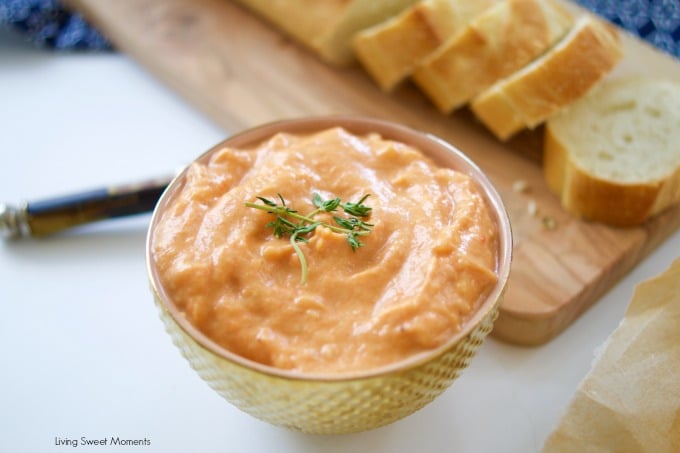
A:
[240,72]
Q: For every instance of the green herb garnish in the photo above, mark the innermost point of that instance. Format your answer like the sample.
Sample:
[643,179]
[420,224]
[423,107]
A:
[289,222]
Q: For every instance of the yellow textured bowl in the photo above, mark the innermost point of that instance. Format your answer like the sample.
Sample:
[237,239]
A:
[363,400]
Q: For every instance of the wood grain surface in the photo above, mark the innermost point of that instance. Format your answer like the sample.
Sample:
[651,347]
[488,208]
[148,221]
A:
[240,72]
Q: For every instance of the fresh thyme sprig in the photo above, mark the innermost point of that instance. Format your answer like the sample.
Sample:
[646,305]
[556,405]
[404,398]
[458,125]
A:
[290,222]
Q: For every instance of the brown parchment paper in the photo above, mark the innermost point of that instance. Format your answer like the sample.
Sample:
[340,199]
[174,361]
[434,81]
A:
[630,399]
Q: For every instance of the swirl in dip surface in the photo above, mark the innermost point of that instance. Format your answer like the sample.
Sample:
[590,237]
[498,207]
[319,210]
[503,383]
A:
[429,260]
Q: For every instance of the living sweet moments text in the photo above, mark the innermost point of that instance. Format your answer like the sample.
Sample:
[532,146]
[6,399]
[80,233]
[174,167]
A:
[115,441]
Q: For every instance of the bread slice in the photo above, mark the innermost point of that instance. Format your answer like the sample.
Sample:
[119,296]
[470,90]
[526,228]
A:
[495,44]
[562,75]
[614,155]
[391,50]
[326,26]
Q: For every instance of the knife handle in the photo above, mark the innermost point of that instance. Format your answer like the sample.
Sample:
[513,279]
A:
[44,217]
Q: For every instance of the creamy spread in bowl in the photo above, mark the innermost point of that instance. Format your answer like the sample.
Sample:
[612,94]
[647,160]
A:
[392,307]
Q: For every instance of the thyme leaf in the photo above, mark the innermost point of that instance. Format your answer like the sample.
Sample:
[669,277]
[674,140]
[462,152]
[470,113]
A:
[289,222]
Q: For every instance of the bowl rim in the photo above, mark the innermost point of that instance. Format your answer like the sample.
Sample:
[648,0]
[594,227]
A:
[438,150]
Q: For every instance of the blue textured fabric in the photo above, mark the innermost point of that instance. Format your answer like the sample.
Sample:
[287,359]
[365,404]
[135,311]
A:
[47,23]
[657,21]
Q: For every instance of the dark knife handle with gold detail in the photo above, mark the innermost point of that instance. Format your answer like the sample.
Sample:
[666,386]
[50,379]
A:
[44,217]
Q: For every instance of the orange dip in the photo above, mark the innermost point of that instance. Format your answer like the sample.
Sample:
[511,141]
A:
[428,262]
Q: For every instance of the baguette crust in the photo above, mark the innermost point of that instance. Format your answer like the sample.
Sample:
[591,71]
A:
[497,43]
[326,26]
[564,74]
[303,20]
[619,201]
[391,50]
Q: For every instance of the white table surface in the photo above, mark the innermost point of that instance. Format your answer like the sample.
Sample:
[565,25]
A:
[83,351]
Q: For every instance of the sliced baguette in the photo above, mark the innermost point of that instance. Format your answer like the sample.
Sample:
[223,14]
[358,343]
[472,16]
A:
[495,44]
[391,50]
[614,155]
[326,26]
[564,74]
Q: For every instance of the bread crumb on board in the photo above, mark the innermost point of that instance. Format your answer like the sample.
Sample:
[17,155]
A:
[522,186]
[549,222]
[532,208]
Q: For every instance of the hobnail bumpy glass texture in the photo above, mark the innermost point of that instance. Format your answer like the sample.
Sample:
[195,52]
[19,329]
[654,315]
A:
[330,407]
